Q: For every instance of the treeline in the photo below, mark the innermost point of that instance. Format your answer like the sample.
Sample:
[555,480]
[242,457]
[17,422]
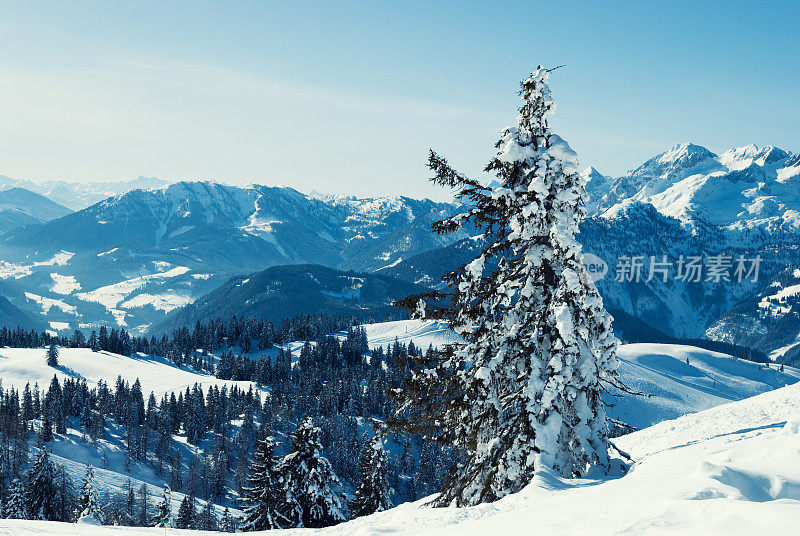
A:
[244,335]
[337,383]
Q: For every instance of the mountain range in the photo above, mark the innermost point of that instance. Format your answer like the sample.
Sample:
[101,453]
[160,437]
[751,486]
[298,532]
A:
[286,291]
[133,258]
[79,195]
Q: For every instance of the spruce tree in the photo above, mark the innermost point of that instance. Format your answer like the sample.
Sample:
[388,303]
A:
[144,515]
[522,393]
[372,493]
[52,355]
[88,508]
[41,489]
[309,481]
[16,504]
[185,519]
[263,495]
[206,519]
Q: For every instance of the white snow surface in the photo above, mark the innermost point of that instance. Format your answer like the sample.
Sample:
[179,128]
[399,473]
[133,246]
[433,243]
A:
[19,366]
[733,470]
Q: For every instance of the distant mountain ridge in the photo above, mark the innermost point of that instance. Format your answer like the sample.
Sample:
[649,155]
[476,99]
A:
[19,206]
[134,257]
[287,291]
[79,195]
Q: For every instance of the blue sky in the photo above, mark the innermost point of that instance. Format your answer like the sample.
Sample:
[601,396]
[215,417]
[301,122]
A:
[347,97]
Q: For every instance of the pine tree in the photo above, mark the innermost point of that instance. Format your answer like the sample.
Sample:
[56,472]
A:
[52,355]
[88,508]
[310,479]
[263,494]
[164,509]
[185,519]
[205,519]
[144,515]
[522,393]
[16,505]
[227,523]
[372,493]
[41,489]
[94,345]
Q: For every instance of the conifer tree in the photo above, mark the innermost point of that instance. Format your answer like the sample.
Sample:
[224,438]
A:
[372,493]
[309,481]
[164,509]
[52,355]
[88,508]
[205,519]
[144,515]
[41,489]
[263,495]
[522,393]
[16,505]
[185,519]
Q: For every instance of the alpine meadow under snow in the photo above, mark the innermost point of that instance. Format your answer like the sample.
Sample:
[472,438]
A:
[197,356]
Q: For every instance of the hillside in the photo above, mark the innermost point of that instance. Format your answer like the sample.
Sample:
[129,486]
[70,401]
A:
[12,317]
[19,366]
[732,470]
[286,291]
[19,206]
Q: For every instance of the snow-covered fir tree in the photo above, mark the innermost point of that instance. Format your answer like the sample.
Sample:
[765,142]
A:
[88,507]
[310,481]
[16,504]
[522,393]
[52,355]
[205,519]
[186,514]
[143,517]
[372,493]
[163,516]
[264,502]
[41,489]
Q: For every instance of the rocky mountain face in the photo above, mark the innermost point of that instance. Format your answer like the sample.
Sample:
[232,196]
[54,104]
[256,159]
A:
[132,258]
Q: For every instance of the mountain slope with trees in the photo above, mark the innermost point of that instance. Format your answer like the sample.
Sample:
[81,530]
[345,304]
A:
[287,291]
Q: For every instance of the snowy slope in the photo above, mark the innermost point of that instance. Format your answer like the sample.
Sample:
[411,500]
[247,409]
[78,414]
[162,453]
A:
[422,333]
[731,470]
[675,388]
[19,366]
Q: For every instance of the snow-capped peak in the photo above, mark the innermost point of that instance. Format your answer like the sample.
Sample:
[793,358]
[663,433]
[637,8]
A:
[740,158]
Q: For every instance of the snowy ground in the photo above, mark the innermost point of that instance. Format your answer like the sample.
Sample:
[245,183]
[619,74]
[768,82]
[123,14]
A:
[19,366]
[733,469]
